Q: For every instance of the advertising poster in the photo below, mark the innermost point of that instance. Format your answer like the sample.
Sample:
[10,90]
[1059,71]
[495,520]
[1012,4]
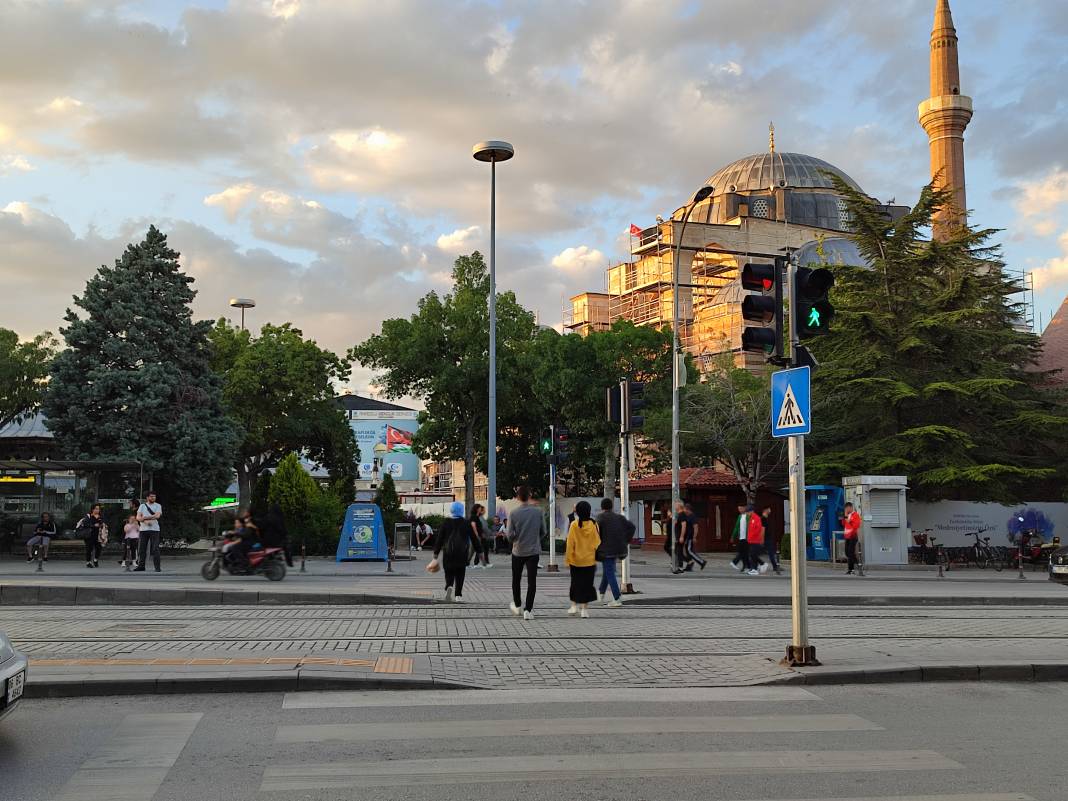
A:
[385,440]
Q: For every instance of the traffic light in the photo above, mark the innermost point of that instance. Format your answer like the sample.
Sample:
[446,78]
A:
[763,308]
[813,311]
[563,440]
[545,445]
[614,403]
[633,401]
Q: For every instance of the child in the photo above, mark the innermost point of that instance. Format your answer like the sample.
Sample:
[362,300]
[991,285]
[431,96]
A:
[131,533]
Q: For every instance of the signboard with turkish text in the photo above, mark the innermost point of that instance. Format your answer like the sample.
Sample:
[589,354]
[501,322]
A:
[385,440]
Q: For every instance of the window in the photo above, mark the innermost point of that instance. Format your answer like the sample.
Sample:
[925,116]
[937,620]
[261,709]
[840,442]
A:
[759,207]
[844,217]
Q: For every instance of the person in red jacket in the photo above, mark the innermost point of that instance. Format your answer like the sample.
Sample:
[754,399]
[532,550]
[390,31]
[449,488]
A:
[757,566]
[851,524]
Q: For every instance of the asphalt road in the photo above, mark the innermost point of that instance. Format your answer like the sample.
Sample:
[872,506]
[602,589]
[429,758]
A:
[945,742]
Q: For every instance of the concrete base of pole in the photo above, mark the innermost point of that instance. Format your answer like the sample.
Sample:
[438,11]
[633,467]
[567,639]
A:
[552,568]
[800,656]
[303,557]
[628,589]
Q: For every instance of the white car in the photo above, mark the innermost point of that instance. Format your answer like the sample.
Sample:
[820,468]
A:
[12,676]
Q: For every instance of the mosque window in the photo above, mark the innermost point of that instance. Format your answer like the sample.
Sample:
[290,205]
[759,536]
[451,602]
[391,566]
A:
[843,214]
[760,208]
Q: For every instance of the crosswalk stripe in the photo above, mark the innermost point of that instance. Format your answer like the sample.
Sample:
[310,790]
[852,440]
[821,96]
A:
[327,699]
[133,764]
[566,727]
[479,770]
[954,797]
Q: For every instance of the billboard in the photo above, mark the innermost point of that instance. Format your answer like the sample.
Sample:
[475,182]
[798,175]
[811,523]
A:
[385,440]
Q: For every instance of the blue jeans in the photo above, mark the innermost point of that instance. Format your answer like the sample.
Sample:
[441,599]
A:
[608,577]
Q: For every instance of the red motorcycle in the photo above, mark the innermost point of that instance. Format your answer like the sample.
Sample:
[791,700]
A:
[269,562]
[1035,551]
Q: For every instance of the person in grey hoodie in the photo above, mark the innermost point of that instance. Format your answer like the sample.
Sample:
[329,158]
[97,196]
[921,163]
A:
[525,529]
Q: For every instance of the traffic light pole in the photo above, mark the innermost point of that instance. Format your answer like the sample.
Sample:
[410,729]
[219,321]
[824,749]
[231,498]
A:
[552,568]
[799,652]
[624,502]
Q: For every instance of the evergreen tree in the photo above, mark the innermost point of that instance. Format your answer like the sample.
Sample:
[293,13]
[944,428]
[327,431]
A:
[926,371]
[296,493]
[388,502]
[135,380]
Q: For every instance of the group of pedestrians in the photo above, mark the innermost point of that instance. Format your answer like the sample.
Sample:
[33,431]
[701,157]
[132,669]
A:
[753,540]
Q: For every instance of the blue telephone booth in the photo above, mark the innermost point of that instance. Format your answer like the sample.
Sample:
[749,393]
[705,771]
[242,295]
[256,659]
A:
[823,509]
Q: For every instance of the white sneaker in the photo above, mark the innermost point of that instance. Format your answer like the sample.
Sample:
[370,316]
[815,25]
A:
[615,604]
[736,566]
[571,610]
[752,573]
[763,568]
[585,613]
[449,592]
[528,616]
[487,566]
[514,609]
[457,600]
[601,597]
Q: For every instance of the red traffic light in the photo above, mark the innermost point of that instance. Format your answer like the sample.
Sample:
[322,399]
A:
[759,277]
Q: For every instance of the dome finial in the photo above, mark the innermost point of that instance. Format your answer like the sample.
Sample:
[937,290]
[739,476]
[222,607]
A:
[771,136]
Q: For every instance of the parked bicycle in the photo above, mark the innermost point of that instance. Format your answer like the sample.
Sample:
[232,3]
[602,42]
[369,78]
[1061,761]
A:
[930,551]
[983,554]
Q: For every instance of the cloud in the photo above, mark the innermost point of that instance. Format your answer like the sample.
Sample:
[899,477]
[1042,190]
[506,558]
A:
[1053,272]
[581,259]
[14,163]
[462,240]
[232,199]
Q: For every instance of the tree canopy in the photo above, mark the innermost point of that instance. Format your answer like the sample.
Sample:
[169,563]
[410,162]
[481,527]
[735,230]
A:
[24,368]
[927,370]
[135,380]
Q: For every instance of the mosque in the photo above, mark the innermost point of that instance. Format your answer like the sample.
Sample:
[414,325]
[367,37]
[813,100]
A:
[762,204]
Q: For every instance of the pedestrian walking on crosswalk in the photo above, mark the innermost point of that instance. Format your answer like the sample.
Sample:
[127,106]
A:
[525,529]
[453,544]
[583,539]
[616,533]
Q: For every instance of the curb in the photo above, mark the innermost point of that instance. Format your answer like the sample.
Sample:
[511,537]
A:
[179,683]
[897,674]
[847,600]
[47,595]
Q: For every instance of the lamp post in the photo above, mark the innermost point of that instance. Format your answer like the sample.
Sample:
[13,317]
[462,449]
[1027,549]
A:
[242,303]
[492,151]
[698,196]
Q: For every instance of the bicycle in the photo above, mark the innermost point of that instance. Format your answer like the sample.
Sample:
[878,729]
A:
[983,555]
[939,556]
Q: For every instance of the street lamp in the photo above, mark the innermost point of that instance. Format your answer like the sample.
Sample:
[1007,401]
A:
[492,151]
[242,303]
[698,196]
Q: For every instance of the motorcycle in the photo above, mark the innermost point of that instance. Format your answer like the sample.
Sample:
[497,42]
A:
[1035,551]
[269,562]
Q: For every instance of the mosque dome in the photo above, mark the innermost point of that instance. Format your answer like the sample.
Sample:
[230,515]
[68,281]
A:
[777,186]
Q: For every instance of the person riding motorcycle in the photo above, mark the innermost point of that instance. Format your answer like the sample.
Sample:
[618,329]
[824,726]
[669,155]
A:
[247,535]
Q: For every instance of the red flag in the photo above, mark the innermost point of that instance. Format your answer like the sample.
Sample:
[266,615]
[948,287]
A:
[635,230]
[397,440]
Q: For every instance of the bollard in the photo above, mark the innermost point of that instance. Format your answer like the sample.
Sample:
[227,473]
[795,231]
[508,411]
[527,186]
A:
[303,556]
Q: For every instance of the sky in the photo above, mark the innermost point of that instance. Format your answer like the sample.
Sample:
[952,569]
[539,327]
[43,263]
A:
[315,155]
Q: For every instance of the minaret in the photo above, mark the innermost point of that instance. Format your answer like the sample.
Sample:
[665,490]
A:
[945,115]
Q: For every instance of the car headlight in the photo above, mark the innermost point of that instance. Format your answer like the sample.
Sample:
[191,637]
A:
[1060,560]
[6,651]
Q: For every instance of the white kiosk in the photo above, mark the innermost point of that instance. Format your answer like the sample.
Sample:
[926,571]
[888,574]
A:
[884,531]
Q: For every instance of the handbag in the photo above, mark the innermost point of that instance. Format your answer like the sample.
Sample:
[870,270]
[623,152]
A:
[433,566]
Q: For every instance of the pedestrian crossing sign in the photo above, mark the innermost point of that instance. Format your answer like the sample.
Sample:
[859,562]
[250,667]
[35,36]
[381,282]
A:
[791,407]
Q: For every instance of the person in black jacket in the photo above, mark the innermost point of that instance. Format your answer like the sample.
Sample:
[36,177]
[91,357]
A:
[90,528]
[616,534]
[453,544]
[42,535]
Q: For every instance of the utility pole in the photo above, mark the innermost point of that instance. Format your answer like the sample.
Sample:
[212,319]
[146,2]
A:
[553,567]
[624,501]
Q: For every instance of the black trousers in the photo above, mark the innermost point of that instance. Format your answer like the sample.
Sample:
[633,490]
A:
[454,577]
[530,564]
[691,554]
[482,550]
[129,549]
[851,553]
[92,549]
[743,555]
[148,542]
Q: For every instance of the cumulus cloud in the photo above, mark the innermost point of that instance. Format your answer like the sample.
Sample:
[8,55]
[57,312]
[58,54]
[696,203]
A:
[1053,272]
[461,240]
[13,162]
[579,259]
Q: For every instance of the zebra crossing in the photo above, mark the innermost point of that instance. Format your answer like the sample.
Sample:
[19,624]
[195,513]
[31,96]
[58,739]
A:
[772,743]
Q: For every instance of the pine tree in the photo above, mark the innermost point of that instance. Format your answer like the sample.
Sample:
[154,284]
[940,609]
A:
[388,502]
[926,371]
[135,382]
[295,492]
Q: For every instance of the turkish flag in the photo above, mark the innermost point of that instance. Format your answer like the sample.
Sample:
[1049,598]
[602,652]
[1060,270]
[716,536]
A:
[397,440]
[635,230]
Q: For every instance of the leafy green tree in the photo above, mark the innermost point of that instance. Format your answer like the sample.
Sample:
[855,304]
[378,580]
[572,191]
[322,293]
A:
[24,370]
[927,371]
[440,355]
[135,380]
[279,388]
[389,504]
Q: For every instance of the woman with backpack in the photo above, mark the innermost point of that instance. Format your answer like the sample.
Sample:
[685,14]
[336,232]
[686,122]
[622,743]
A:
[94,533]
[583,539]
[453,544]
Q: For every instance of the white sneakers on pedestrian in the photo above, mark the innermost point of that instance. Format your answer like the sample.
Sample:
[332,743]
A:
[585,613]
[752,573]
[602,597]
[457,600]
[515,610]
[618,602]
[572,610]
[528,616]
[449,592]
[736,566]
[764,567]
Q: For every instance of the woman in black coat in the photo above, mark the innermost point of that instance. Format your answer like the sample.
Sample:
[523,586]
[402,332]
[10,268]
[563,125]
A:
[453,544]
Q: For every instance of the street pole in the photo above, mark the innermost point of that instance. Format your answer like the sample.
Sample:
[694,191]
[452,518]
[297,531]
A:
[553,568]
[624,501]
[799,652]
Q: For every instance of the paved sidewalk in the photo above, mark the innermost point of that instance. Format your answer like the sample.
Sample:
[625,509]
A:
[330,583]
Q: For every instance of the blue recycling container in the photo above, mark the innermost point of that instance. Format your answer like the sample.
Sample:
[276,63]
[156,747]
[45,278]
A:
[823,509]
[363,536]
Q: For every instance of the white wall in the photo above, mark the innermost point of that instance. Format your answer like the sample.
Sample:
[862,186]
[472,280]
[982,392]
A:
[950,521]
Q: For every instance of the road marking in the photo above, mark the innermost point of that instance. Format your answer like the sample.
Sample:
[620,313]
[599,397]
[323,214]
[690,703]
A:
[566,727]
[132,765]
[369,698]
[515,769]
[955,797]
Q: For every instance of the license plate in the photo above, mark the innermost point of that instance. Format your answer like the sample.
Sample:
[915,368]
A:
[15,686]
[1060,568]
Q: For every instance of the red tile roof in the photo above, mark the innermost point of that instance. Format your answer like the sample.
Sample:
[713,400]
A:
[689,478]
[1055,344]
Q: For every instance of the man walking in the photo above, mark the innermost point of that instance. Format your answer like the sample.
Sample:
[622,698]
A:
[148,515]
[689,552]
[740,536]
[851,524]
[755,538]
[771,542]
[616,534]
[525,529]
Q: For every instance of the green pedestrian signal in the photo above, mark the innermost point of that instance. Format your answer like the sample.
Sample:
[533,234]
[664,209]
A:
[546,445]
[813,317]
[812,311]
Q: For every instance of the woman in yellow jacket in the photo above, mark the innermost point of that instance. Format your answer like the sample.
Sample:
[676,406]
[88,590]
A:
[583,539]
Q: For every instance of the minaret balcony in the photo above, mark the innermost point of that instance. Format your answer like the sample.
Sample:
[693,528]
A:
[939,108]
